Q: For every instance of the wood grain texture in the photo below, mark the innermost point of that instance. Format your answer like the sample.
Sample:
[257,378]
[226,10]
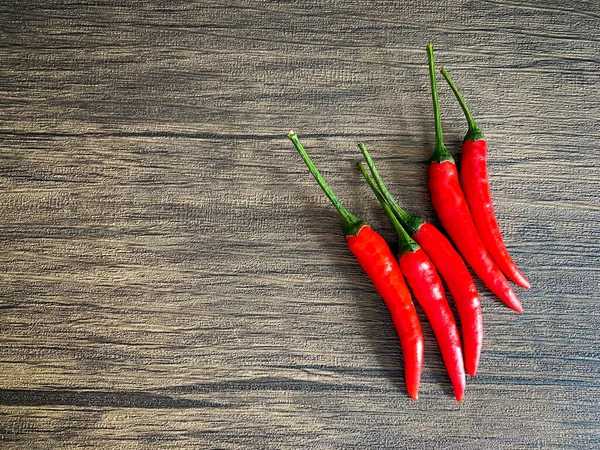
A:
[172,277]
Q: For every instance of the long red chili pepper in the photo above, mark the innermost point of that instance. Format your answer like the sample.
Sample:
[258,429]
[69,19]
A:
[450,266]
[475,185]
[377,260]
[425,283]
[451,207]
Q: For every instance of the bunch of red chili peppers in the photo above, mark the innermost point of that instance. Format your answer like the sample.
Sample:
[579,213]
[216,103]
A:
[463,204]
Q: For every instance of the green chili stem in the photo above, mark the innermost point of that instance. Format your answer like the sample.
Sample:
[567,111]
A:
[410,222]
[474,132]
[351,223]
[407,244]
[402,215]
[440,153]
[434,94]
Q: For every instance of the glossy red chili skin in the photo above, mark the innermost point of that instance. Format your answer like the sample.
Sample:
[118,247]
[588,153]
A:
[452,209]
[475,185]
[429,292]
[454,272]
[378,262]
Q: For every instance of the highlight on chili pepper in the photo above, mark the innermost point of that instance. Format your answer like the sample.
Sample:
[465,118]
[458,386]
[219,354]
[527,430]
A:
[450,266]
[451,207]
[427,287]
[475,184]
[378,262]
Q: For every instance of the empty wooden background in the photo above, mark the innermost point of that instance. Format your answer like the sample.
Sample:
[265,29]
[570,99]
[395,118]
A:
[172,277]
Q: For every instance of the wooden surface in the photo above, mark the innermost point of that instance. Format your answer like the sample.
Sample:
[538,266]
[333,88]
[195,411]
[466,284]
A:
[172,277]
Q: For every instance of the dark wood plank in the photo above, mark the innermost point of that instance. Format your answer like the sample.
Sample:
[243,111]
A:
[172,277]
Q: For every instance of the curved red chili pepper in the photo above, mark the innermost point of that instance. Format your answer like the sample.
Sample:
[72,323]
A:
[427,287]
[475,185]
[451,207]
[450,266]
[377,260]
[454,271]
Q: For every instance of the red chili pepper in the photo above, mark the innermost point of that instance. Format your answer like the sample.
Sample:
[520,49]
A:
[425,283]
[475,185]
[377,260]
[451,207]
[449,264]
